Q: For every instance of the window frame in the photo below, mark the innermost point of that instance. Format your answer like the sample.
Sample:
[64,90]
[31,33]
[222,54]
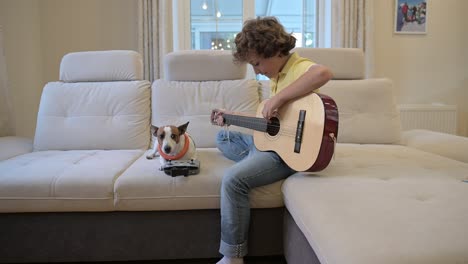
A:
[182,30]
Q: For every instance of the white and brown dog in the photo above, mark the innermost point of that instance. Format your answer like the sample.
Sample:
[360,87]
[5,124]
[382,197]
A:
[173,143]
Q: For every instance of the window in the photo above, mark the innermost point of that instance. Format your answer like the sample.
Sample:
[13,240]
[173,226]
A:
[215,23]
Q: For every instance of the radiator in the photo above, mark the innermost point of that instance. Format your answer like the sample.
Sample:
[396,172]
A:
[435,117]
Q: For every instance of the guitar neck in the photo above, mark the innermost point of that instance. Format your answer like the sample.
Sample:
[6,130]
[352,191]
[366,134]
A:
[255,123]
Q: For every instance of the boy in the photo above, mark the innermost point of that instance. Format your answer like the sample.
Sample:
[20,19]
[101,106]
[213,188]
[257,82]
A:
[263,43]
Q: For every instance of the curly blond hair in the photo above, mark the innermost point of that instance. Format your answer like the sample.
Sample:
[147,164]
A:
[264,36]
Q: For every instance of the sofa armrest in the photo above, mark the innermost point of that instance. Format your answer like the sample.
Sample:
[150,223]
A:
[447,145]
[14,146]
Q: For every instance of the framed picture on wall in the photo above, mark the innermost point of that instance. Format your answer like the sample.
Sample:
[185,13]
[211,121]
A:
[410,16]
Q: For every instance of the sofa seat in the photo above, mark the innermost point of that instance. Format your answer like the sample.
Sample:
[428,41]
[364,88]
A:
[143,187]
[59,181]
[383,204]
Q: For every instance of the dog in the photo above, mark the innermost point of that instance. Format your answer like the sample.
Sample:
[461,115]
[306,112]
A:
[173,143]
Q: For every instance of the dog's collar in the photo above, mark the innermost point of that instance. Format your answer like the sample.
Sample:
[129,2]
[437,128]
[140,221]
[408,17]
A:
[178,156]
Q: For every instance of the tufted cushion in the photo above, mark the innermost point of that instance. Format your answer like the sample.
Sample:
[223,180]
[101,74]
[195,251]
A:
[175,103]
[383,204]
[62,181]
[101,103]
[367,111]
[143,187]
[93,115]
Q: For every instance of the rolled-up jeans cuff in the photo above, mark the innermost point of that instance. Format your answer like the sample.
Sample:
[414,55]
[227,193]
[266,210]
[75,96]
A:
[233,251]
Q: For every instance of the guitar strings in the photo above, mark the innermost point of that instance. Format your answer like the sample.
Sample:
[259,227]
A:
[284,129]
[256,123]
[260,121]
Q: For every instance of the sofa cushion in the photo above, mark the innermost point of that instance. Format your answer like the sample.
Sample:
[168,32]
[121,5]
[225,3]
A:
[144,187]
[444,144]
[93,115]
[101,66]
[57,181]
[202,65]
[367,111]
[383,204]
[366,108]
[175,103]
[345,63]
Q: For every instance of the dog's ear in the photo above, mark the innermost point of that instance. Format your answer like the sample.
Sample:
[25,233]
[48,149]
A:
[183,128]
[154,130]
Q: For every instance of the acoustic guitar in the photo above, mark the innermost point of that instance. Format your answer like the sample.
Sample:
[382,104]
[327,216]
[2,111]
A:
[303,133]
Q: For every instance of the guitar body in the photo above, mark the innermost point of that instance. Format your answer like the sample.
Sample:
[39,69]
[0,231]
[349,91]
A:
[319,132]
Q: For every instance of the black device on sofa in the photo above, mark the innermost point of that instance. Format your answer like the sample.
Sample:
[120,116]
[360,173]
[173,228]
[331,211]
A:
[181,167]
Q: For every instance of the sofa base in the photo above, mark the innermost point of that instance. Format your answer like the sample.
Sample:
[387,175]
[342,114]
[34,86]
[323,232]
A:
[297,249]
[122,236]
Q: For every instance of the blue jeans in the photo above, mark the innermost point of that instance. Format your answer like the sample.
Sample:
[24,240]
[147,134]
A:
[253,168]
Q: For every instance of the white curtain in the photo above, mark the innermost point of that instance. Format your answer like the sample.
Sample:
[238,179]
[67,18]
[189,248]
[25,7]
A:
[352,27]
[6,108]
[154,35]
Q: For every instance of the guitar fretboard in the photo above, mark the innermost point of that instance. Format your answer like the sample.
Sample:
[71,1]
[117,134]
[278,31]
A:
[255,123]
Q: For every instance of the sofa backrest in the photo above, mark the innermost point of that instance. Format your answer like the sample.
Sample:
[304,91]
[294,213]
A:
[345,63]
[367,109]
[100,102]
[202,65]
[196,82]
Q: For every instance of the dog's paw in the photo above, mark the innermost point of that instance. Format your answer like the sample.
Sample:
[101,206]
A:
[150,154]
[162,162]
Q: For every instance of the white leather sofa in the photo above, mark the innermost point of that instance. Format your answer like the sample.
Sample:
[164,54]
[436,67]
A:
[388,196]
[83,190]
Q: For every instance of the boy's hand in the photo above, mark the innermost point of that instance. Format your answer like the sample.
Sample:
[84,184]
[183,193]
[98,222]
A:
[217,117]
[270,108]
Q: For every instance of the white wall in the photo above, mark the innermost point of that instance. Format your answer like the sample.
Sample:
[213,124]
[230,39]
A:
[21,29]
[463,120]
[430,68]
[37,33]
[425,68]
[71,25]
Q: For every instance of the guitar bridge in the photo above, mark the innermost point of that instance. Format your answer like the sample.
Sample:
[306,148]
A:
[299,131]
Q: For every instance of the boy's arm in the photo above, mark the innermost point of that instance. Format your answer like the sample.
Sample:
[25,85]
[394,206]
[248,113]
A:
[315,77]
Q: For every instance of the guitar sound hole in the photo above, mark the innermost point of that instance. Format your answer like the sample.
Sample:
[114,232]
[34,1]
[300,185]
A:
[273,127]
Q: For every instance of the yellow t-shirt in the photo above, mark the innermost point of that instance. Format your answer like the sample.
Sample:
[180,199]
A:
[292,70]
